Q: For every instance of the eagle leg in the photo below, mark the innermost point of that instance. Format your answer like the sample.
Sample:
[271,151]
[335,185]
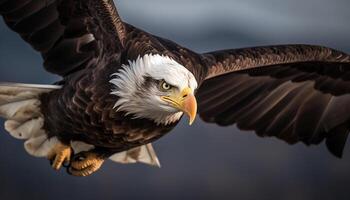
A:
[85,163]
[59,155]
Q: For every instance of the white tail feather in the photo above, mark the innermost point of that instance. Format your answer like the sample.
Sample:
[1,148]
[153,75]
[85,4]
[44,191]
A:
[40,145]
[143,154]
[20,110]
[26,130]
[20,105]
[24,86]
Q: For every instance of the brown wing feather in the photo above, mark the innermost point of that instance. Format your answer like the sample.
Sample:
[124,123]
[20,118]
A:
[68,33]
[296,93]
[227,61]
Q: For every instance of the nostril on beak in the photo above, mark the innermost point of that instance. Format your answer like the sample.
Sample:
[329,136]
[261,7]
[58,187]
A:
[184,96]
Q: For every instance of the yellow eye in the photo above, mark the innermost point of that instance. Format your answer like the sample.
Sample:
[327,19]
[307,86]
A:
[166,86]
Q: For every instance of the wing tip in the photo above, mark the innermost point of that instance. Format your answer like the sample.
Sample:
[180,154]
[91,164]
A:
[336,144]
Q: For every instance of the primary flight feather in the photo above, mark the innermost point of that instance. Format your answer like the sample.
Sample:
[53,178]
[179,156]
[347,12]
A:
[123,88]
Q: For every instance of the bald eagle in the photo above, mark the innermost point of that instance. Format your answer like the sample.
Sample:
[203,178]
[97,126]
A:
[123,88]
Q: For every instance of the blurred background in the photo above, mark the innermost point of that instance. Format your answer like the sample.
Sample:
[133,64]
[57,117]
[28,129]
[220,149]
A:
[202,161]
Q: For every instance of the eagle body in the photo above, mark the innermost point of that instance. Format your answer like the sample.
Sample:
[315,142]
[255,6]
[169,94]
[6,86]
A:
[83,110]
[123,88]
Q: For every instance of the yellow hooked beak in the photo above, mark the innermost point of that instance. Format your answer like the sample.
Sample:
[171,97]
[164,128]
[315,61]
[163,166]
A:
[184,101]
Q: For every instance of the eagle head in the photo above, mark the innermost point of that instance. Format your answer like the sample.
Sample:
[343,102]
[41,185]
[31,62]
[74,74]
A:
[155,87]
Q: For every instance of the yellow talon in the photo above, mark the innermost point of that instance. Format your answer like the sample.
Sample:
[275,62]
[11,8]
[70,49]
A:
[59,154]
[86,166]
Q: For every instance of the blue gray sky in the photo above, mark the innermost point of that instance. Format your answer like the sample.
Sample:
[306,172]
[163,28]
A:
[202,161]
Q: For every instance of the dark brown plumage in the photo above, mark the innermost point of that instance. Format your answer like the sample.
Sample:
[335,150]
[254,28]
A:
[294,92]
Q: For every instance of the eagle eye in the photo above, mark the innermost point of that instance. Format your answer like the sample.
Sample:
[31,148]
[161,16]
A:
[164,86]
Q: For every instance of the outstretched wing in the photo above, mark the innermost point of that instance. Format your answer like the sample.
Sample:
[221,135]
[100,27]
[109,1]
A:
[69,34]
[294,92]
